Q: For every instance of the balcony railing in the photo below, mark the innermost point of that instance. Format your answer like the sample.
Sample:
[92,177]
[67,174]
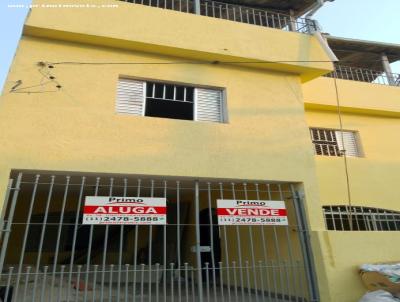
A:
[237,13]
[355,218]
[365,75]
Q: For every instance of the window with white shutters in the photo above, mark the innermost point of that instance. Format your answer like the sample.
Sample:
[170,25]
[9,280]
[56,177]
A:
[208,105]
[331,142]
[346,140]
[167,100]
[130,96]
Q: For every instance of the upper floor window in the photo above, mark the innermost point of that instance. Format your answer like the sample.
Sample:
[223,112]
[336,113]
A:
[330,142]
[170,101]
[346,218]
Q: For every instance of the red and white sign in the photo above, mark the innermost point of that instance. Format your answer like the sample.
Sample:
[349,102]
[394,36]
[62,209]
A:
[250,212]
[124,210]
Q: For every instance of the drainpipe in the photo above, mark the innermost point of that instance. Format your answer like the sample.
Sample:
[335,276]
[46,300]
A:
[387,69]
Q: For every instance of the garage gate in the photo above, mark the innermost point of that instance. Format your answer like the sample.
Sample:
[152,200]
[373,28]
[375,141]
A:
[47,254]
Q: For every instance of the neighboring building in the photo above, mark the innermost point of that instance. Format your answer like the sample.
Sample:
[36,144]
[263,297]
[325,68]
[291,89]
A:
[368,94]
[195,101]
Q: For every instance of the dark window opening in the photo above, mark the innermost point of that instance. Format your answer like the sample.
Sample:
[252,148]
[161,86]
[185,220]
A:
[51,229]
[169,101]
[169,109]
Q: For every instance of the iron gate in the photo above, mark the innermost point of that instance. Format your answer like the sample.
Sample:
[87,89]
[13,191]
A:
[47,254]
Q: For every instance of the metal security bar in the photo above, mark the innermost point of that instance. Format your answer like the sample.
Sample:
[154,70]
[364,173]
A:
[346,218]
[325,142]
[47,254]
[330,142]
[256,16]
[364,75]
[169,92]
[237,13]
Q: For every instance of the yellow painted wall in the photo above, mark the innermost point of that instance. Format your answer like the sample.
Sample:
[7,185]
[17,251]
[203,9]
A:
[149,29]
[344,252]
[373,177]
[77,129]
[373,111]
[354,97]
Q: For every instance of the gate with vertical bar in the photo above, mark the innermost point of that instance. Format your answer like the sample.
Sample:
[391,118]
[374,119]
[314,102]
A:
[47,254]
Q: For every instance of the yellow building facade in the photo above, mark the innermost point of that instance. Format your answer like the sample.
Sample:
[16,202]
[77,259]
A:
[371,110]
[252,80]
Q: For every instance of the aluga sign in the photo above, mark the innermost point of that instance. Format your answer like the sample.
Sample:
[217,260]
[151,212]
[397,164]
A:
[249,212]
[124,210]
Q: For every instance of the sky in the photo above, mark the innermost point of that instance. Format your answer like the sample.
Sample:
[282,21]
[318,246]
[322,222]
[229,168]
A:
[360,19]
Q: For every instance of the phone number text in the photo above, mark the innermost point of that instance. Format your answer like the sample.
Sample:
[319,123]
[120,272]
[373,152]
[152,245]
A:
[124,219]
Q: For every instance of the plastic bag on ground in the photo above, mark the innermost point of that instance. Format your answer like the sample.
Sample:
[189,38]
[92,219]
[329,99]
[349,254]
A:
[379,296]
[392,271]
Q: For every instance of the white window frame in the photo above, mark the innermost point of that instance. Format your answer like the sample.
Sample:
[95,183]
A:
[144,98]
[223,114]
[223,103]
[338,142]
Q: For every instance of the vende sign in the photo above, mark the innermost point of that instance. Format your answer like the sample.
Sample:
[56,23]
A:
[124,210]
[249,212]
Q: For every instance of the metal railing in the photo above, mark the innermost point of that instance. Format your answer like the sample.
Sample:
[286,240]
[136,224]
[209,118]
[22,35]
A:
[48,254]
[236,13]
[364,75]
[346,218]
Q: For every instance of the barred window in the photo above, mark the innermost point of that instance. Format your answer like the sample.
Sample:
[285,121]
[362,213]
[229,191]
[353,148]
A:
[331,142]
[346,218]
[167,100]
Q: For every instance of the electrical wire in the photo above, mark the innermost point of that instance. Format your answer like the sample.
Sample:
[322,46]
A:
[45,75]
[41,91]
[199,62]
[48,75]
[344,155]
[50,65]
[33,86]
